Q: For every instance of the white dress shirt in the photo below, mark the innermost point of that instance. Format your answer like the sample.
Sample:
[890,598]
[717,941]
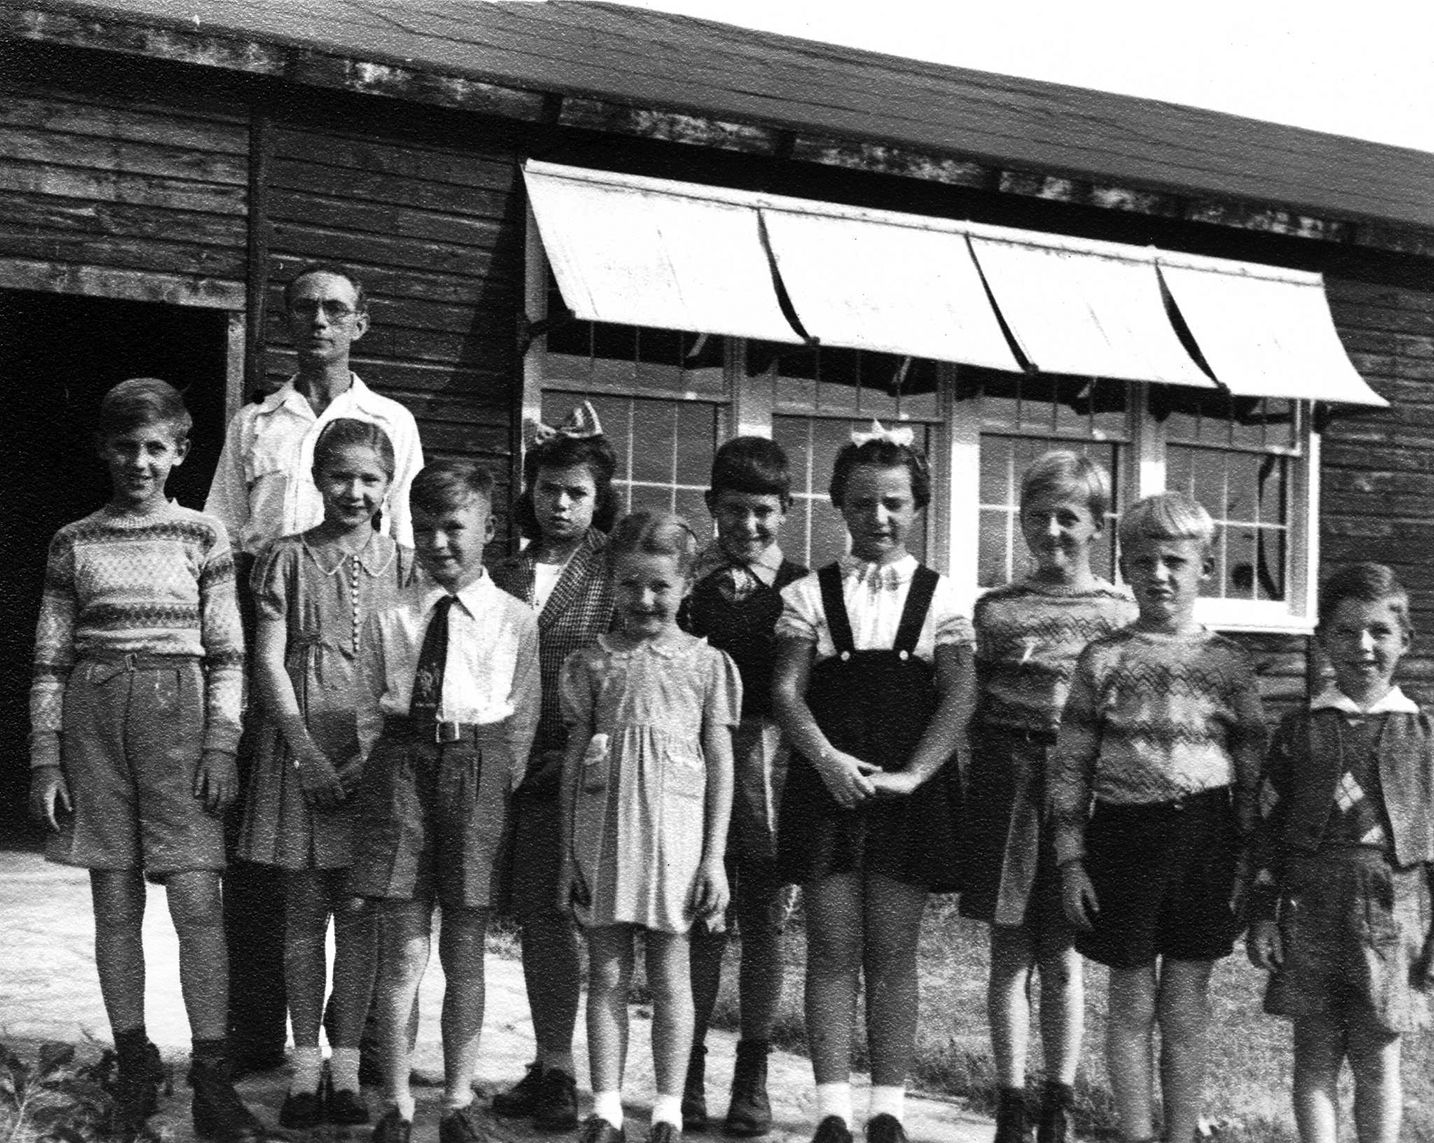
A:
[264,487]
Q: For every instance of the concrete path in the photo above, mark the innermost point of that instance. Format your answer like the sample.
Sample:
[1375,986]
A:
[49,991]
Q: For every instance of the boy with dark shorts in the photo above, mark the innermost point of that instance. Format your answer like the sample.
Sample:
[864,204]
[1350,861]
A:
[448,704]
[139,669]
[735,604]
[1163,730]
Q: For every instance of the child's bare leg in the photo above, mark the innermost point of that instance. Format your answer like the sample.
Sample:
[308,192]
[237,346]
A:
[460,952]
[891,927]
[306,978]
[1184,1014]
[1008,1002]
[197,912]
[1319,1054]
[1378,1093]
[552,973]
[1062,1008]
[1130,1027]
[355,960]
[669,975]
[118,898]
[404,934]
[609,977]
[834,945]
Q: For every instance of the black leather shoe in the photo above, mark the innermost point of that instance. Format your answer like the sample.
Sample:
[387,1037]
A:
[694,1091]
[521,1099]
[750,1111]
[885,1128]
[346,1108]
[392,1128]
[1053,1125]
[832,1129]
[557,1104]
[460,1126]
[136,1088]
[1013,1120]
[218,1111]
[302,1110]
[664,1132]
[596,1129]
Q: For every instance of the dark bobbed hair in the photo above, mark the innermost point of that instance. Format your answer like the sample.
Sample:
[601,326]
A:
[755,465]
[1064,472]
[593,453]
[143,401]
[1369,583]
[346,432]
[445,485]
[882,454]
[337,270]
[654,534]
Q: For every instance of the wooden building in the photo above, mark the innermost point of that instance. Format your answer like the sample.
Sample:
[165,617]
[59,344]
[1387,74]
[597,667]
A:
[707,229]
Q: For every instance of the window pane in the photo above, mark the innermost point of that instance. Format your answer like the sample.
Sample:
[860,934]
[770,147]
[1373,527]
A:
[796,535]
[993,559]
[1270,570]
[828,534]
[696,429]
[693,508]
[652,441]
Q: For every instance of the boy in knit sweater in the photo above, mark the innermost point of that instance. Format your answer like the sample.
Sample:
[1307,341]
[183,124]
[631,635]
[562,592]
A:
[735,603]
[1163,731]
[139,666]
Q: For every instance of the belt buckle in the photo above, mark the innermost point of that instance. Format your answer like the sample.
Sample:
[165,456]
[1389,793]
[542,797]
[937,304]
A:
[446,732]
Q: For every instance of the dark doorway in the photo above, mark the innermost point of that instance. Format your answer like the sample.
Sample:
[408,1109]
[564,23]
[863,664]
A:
[58,355]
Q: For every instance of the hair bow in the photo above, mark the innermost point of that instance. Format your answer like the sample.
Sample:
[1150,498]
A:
[582,423]
[901,435]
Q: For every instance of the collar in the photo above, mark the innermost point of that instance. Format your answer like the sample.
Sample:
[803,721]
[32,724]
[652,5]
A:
[765,567]
[664,648]
[473,597]
[878,576]
[1394,702]
[286,396]
[374,558]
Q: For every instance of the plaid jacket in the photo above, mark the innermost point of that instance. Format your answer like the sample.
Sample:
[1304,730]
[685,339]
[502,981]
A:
[578,611]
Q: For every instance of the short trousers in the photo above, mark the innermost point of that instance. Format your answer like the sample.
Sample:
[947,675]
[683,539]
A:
[1352,929]
[133,736]
[432,819]
[1163,876]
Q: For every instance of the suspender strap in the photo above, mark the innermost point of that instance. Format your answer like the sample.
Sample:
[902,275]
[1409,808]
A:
[913,615]
[829,578]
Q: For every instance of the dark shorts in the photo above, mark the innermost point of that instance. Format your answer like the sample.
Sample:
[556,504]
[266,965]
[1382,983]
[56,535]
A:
[133,736]
[1352,930]
[1163,876]
[536,863]
[432,820]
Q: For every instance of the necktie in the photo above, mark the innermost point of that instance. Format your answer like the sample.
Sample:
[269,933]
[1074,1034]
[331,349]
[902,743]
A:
[432,656]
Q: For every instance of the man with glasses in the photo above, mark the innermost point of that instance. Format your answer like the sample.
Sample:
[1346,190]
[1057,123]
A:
[263,489]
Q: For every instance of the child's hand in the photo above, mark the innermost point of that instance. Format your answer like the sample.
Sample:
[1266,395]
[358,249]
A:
[572,889]
[1263,945]
[1078,896]
[894,784]
[350,773]
[322,785]
[48,789]
[710,893]
[216,782]
[845,776]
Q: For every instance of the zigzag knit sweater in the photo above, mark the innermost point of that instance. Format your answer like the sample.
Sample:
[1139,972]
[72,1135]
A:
[1152,718]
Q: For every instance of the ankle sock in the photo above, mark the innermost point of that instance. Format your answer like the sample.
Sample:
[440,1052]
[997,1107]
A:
[888,1099]
[834,1099]
[404,1105]
[608,1105]
[344,1067]
[557,1061]
[667,1109]
[457,1101]
[308,1061]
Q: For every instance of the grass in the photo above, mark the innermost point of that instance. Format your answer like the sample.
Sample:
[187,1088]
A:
[1248,1090]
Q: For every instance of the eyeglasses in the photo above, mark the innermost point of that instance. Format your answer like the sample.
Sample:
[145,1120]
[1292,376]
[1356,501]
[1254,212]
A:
[333,310]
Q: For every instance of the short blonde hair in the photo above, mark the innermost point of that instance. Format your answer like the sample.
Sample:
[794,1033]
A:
[1167,516]
[1063,472]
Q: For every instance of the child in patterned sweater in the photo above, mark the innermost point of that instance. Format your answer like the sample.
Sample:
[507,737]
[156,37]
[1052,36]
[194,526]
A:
[1163,731]
[1028,636]
[139,668]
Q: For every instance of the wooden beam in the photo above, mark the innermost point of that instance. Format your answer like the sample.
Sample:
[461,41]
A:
[261,148]
[127,285]
[880,158]
[668,126]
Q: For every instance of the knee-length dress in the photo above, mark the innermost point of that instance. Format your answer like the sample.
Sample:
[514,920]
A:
[640,808]
[323,596]
[873,692]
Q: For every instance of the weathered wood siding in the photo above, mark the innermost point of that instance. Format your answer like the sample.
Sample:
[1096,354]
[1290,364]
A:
[436,232]
[1377,487]
[109,194]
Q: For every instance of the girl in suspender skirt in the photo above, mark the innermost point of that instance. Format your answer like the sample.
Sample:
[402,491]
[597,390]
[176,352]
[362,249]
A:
[873,685]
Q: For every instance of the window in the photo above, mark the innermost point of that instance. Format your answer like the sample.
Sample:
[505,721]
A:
[668,399]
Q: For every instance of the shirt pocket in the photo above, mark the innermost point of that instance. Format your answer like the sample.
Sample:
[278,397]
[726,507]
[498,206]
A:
[268,457]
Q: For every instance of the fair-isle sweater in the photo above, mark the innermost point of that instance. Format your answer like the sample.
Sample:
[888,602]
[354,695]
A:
[118,583]
[1152,718]
[1028,637]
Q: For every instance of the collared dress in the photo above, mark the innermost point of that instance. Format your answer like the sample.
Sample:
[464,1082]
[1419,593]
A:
[639,814]
[324,597]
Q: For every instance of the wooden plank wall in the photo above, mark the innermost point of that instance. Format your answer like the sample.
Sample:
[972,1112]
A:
[1377,488]
[109,194]
[436,231]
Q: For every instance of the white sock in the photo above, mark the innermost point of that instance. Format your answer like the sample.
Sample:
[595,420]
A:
[404,1105]
[888,1099]
[344,1066]
[458,1100]
[608,1105]
[834,1099]
[557,1061]
[308,1069]
[667,1109]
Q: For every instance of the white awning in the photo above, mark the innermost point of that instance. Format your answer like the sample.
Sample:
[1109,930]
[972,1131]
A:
[886,282]
[1088,308]
[650,252]
[1264,332]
